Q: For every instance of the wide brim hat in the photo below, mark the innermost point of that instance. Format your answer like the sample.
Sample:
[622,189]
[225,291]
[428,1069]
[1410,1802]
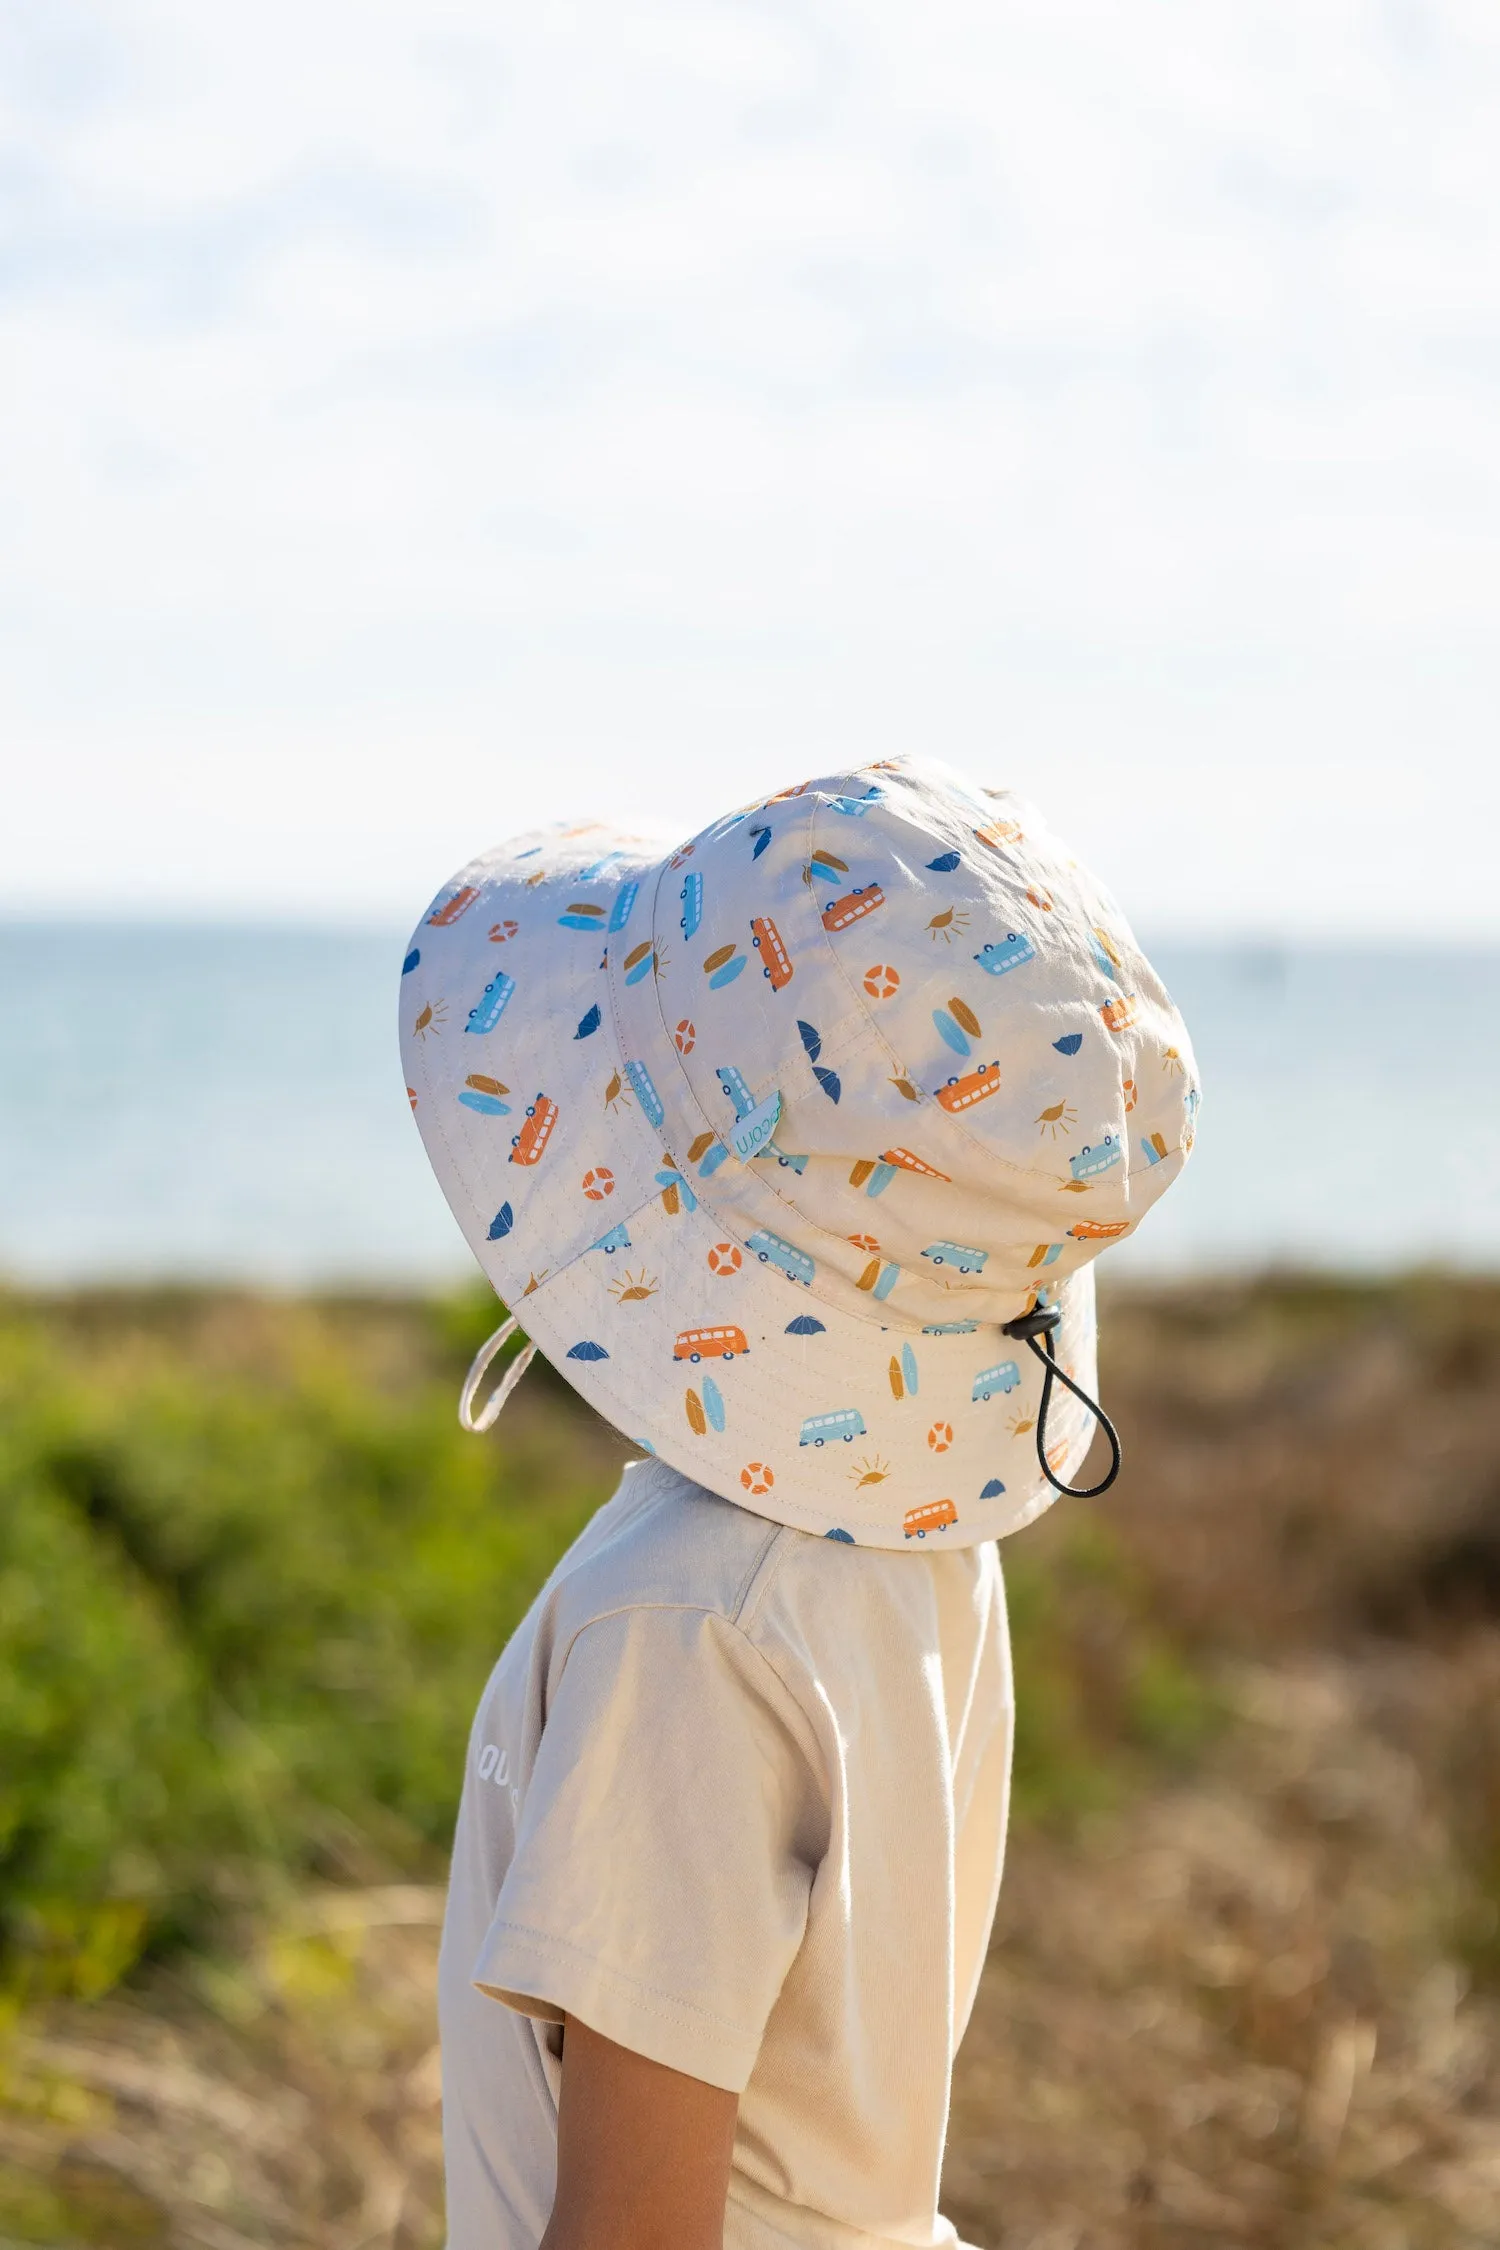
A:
[765,1137]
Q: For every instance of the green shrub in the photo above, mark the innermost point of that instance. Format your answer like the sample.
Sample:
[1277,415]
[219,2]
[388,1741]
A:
[244,1616]
[253,1576]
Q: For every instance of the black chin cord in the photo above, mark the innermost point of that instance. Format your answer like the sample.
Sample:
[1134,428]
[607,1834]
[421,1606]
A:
[1040,1322]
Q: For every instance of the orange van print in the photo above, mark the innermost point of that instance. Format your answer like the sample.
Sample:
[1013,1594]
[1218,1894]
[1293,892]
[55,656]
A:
[442,917]
[963,1093]
[1099,1230]
[526,1146]
[710,1343]
[933,1515]
[775,959]
[910,1163]
[1118,1013]
[853,906]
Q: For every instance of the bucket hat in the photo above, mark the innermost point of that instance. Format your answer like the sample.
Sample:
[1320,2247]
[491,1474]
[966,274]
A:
[767,1138]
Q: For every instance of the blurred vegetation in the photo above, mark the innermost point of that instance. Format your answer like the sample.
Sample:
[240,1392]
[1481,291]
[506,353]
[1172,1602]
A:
[253,1575]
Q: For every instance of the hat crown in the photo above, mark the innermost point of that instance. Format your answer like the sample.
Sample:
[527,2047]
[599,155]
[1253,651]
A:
[952,1075]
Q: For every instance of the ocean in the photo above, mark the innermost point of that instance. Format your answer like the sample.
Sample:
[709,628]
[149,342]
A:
[227,1104]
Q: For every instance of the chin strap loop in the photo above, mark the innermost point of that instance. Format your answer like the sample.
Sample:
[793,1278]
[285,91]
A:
[479,1368]
[1040,1323]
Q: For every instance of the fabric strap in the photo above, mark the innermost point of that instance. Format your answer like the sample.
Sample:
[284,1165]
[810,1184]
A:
[479,1367]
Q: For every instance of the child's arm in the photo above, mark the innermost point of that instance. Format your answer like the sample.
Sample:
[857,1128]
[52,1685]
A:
[642,2152]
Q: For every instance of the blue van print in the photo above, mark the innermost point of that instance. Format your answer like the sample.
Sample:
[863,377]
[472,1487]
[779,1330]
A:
[734,1085]
[856,807]
[492,1003]
[1006,953]
[950,1328]
[797,1164]
[958,1254]
[821,1429]
[625,898]
[645,1091]
[616,1239]
[1090,1162]
[770,1249]
[692,904]
[1005,1377]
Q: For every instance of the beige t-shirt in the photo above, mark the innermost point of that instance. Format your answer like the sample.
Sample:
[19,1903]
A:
[736,1798]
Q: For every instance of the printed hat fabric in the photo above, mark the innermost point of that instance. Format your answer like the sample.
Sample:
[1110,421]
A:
[763,1137]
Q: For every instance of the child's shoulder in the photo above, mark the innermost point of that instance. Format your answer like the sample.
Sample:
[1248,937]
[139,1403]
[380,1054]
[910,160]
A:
[664,1542]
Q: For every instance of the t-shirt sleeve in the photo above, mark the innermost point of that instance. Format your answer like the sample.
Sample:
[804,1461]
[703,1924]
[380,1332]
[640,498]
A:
[666,1845]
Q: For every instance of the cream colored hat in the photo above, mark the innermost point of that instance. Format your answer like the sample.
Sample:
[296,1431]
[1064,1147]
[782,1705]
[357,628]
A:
[766,1139]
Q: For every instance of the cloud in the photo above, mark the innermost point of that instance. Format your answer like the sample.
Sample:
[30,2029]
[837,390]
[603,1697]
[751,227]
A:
[413,421]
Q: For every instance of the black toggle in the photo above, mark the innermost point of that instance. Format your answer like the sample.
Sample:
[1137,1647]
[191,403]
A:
[1041,1320]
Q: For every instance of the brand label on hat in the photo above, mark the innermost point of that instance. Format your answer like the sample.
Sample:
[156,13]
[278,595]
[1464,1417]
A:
[752,1132]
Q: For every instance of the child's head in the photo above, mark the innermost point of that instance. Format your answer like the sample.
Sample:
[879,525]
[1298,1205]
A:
[764,1139]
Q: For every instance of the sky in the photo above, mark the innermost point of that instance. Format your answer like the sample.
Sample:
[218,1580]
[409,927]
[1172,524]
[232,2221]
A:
[420,418]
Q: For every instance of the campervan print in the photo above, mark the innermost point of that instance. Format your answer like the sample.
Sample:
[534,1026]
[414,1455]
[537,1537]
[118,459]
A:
[625,898]
[957,1254]
[710,1343]
[736,1087]
[492,1003]
[772,1250]
[1005,1377]
[934,1515]
[876,1220]
[691,895]
[644,1088]
[526,1146]
[824,1429]
[776,962]
[1089,1163]
[962,1093]
[445,914]
[863,900]
[1006,953]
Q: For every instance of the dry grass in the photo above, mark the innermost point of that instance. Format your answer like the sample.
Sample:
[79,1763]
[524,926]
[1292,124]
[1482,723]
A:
[1252,1999]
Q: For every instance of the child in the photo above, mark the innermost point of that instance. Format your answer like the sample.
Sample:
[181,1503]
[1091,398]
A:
[792,1148]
